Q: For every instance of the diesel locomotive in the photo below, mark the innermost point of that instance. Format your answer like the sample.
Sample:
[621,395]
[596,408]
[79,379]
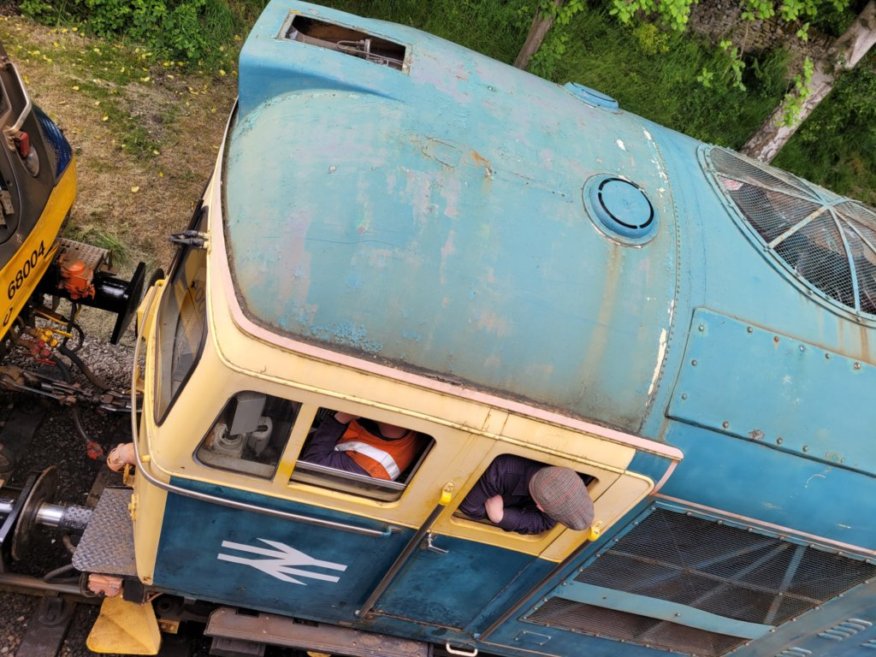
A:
[401,229]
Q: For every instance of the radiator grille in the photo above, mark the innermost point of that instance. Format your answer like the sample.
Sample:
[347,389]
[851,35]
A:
[578,617]
[826,240]
[727,571]
[723,570]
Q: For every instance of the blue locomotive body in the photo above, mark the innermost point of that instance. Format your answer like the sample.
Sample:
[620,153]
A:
[396,204]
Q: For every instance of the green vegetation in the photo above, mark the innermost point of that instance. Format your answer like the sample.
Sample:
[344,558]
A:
[100,236]
[709,91]
[836,146]
[495,28]
[670,78]
[197,31]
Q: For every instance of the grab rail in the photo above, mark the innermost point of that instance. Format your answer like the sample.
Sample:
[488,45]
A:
[405,554]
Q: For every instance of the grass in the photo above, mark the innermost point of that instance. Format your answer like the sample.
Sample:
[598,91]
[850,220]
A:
[655,75]
[496,29]
[675,80]
[117,245]
[145,131]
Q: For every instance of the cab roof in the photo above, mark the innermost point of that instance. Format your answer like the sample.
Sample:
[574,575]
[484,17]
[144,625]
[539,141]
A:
[429,214]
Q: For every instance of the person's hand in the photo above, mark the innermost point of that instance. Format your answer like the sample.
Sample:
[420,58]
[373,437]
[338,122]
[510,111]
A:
[345,418]
[495,508]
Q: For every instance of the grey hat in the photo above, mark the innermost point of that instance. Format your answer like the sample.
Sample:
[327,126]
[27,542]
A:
[562,495]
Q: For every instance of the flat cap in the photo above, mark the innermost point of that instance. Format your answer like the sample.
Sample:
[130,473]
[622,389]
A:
[562,495]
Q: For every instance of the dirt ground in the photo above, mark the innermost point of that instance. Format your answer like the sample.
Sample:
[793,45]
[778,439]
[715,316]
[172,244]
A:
[145,133]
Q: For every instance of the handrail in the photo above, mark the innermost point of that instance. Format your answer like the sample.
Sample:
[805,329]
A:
[12,131]
[365,610]
[214,499]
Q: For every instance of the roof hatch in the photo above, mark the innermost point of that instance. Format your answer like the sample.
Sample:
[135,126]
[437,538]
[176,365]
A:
[346,40]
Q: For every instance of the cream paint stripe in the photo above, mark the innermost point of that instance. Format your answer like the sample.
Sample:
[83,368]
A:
[220,264]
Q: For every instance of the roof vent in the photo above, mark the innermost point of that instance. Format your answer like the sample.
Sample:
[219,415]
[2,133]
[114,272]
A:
[620,209]
[826,240]
[355,43]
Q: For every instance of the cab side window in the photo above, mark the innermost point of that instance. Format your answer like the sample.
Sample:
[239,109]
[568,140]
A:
[521,495]
[250,434]
[372,458]
[182,322]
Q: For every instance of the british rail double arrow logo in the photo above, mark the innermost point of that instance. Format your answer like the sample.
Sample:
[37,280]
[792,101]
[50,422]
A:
[281,562]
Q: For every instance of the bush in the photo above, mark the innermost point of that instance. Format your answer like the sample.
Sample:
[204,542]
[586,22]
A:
[836,145]
[194,31]
[671,78]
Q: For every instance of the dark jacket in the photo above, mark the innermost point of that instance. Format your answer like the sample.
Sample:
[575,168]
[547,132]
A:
[509,476]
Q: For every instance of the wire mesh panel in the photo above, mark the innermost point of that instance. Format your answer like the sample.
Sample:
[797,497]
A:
[588,619]
[825,240]
[726,571]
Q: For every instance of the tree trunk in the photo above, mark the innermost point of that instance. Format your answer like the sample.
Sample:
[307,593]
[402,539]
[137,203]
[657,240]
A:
[541,25]
[845,53]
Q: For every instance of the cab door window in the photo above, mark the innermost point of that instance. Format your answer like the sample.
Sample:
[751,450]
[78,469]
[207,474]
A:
[249,435]
[525,496]
[364,456]
[182,323]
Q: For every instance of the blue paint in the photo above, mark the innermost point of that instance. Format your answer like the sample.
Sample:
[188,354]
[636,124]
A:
[193,536]
[757,481]
[477,236]
[427,591]
[592,96]
[785,392]
[442,220]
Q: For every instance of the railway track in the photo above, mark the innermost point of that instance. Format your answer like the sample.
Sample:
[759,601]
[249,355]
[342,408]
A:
[45,610]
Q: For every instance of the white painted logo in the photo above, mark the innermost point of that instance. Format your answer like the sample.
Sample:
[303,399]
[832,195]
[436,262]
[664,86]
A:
[281,562]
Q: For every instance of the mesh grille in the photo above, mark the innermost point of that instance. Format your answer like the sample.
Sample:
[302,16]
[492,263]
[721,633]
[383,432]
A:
[723,570]
[828,241]
[577,617]
[726,571]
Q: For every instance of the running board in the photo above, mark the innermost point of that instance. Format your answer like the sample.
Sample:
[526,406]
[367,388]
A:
[283,631]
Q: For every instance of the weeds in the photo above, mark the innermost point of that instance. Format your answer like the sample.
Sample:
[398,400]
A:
[712,93]
[199,32]
[101,237]
[836,145]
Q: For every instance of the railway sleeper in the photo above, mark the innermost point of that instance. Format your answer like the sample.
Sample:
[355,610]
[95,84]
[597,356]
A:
[247,631]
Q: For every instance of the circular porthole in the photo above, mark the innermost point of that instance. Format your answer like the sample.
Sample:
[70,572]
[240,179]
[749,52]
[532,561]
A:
[620,209]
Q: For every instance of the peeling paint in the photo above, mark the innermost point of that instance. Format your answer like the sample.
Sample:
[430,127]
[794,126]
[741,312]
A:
[447,250]
[620,145]
[815,476]
[407,334]
[661,352]
[347,333]
[493,323]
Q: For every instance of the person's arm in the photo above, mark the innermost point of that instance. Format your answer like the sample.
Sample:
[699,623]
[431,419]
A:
[320,449]
[525,521]
[487,487]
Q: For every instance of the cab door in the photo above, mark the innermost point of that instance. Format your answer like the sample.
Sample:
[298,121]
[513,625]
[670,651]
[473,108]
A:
[461,572]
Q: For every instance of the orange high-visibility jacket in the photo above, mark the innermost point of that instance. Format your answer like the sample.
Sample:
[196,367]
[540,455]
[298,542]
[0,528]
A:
[381,458]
